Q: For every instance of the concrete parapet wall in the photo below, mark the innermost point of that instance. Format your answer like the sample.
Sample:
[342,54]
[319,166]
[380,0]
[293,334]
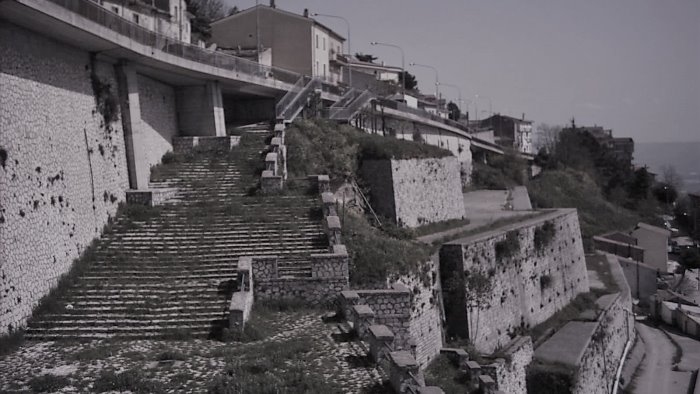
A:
[63,168]
[416,191]
[587,354]
[621,249]
[150,197]
[498,283]
[270,286]
[184,145]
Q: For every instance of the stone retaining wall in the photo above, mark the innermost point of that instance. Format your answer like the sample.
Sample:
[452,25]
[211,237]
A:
[417,191]
[62,167]
[497,284]
[329,278]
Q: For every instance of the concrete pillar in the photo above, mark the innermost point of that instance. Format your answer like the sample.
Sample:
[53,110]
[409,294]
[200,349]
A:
[200,110]
[139,170]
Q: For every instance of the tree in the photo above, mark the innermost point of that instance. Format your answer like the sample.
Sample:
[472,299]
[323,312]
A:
[205,12]
[670,176]
[547,137]
[453,110]
[665,193]
[690,259]
[365,57]
[411,81]
[234,10]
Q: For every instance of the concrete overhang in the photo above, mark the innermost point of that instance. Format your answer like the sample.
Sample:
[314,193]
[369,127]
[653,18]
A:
[52,20]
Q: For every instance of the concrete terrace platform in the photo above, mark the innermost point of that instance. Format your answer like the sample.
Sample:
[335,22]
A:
[483,207]
[567,345]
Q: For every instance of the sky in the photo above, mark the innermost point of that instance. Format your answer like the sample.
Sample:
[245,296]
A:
[629,65]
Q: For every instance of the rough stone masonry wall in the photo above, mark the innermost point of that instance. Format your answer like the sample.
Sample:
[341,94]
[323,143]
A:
[62,171]
[425,325]
[158,117]
[598,366]
[423,190]
[514,295]
[510,371]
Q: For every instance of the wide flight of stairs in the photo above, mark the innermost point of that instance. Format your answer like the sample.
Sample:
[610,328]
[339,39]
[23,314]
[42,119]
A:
[169,273]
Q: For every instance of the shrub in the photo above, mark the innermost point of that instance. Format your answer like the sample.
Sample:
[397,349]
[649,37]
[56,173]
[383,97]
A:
[48,383]
[544,235]
[502,172]
[508,247]
[376,255]
[130,380]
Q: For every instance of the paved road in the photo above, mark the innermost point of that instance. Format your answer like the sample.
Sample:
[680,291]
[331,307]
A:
[690,360]
[656,375]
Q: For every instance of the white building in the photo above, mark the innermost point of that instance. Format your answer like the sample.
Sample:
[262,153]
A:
[167,17]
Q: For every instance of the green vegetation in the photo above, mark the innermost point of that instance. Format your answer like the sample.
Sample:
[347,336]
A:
[11,341]
[320,147]
[544,235]
[439,227]
[48,383]
[376,255]
[443,373]
[508,247]
[549,378]
[130,380]
[502,172]
[576,189]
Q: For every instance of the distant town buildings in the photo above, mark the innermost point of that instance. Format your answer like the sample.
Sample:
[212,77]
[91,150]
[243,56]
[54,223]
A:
[510,132]
[295,42]
[167,17]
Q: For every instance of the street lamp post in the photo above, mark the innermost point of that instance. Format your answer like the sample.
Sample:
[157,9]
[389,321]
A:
[349,48]
[403,67]
[476,98]
[459,93]
[437,82]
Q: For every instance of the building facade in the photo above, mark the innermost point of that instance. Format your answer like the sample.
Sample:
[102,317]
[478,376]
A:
[296,42]
[511,132]
[167,17]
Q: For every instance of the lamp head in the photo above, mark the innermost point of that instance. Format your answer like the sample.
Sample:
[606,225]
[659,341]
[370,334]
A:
[373,43]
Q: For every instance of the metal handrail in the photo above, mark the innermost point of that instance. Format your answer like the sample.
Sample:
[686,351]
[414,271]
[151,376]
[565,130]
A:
[345,113]
[299,101]
[287,99]
[98,14]
[423,113]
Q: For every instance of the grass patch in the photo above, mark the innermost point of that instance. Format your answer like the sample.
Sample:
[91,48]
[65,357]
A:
[48,383]
[376,255]
[502,172]
[443,373]
[131,380]
[322,147]
[509,246]
[274,367]
[579,304]
[11,341]
[439,227]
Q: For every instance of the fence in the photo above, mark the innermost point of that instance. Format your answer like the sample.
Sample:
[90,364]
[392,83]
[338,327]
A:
[96,13]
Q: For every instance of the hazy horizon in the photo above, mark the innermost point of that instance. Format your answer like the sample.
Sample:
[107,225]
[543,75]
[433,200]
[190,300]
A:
[629,65]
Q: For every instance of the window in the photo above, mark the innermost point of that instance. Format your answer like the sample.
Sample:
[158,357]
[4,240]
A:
[115,10]
[136,18]
[324,71]
[316,41]
[316,68]
[324,43]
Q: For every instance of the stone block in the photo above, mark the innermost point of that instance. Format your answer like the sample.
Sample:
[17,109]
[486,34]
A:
[381,341]
[430,390]
[486,384]
[270,183]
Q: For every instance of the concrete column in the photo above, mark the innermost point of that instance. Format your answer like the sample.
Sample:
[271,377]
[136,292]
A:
[200,110]
[139,170]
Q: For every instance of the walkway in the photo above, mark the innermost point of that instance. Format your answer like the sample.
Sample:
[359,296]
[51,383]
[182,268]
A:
[656,374]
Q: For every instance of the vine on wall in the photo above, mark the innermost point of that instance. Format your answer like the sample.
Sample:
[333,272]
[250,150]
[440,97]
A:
[106,102]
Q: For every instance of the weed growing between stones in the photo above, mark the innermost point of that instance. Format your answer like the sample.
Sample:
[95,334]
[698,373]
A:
[106,102]
[544,236]
[508,247]
[129,380]
[11,341]
[443,373]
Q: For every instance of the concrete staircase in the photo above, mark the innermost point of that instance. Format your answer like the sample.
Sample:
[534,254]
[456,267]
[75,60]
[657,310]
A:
[171,275]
